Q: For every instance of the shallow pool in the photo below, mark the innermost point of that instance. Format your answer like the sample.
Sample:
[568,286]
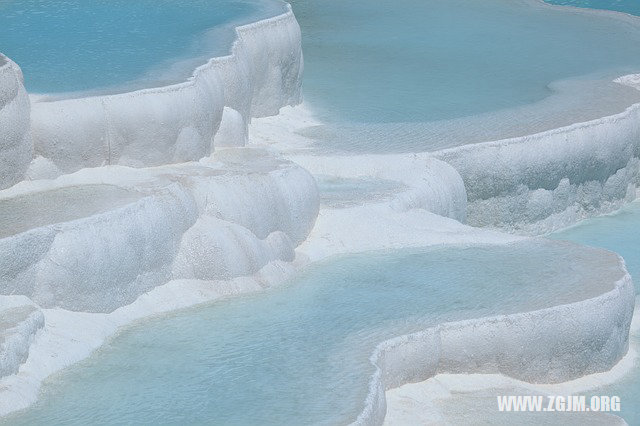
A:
[618,232]
[59,205]
[407,75]
[79,45]
[345,192]
[300,354]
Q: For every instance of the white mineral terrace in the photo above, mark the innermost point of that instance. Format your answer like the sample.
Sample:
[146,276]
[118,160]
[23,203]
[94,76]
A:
[119,207]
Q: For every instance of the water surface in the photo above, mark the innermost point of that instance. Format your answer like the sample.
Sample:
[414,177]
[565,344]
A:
[631,7]
[79,45]
[412,75]
[24,212]
[300,354]
[618,232]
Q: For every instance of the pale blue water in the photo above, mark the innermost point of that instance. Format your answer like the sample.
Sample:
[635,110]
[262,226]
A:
[417,60]
[300,354]
[627,6]
[619,232]
[78,45]
[407,62]
[342,192]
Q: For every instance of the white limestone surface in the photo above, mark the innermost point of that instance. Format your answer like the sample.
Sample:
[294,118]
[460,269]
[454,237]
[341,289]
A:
[16,145]
[20,320]
[104,247]
[233,130]
[179,122]
[449,398]
[239,213]
[62,343]
[219,210]
[530,184]
[98,239]
[581,338]
[550,345]
[545,181]
[432,185]
[169,221]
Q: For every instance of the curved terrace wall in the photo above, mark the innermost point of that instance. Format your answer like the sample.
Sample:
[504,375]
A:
[545,346]
[544,181]
[111,235]
[176,123]
[432,185]
[257,209]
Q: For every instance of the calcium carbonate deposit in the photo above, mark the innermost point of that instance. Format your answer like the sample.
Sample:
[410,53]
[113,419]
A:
[16,146]
[385,231]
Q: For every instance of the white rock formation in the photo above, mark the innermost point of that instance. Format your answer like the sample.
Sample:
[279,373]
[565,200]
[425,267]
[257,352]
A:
[548,180]
[16,146]
[19,322]
[98,239]
[233,130]
[179,122]
[214,249]
[432,185]
[545,346]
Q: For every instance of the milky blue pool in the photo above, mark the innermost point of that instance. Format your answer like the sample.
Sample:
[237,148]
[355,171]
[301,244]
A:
[619,232]
[627,6]
[300,354]
[79,45]
[376,72]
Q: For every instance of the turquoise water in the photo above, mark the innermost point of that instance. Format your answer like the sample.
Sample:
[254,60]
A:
[619,232]
[425,60]
[78,45]
[408,62]
[627,6]
[300,354]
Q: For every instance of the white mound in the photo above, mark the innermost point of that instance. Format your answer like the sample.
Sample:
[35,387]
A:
[98,239]
[19,322]
[181,122]
[16,146]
